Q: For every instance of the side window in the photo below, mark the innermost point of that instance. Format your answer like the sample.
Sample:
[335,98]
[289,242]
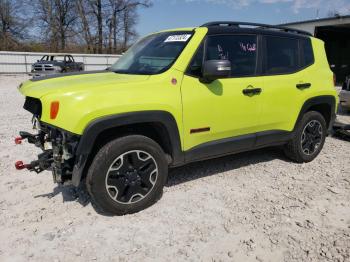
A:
[281,55]
[195,68]
[240,50]
[307,55]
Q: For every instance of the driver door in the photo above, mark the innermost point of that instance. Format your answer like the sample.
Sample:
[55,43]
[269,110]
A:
[220,112]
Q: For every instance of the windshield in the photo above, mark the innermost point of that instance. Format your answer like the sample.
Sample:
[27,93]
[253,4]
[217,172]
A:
[57,58]
[153,54]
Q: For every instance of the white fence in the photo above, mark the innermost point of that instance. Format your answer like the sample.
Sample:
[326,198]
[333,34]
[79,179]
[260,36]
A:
[21,62]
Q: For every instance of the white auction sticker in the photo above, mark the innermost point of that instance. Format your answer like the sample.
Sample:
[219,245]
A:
[178,38]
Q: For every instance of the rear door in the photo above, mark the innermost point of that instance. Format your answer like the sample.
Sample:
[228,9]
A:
[284,84]
[222,109]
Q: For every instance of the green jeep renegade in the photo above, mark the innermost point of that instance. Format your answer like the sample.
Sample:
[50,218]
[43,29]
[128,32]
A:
[176,97]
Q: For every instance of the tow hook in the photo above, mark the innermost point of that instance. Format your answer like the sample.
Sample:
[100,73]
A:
[18,140]
[32,139]
[44,162]
[33,166]
[19,165]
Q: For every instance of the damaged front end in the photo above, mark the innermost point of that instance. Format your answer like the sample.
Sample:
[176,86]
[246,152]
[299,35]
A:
[58,146]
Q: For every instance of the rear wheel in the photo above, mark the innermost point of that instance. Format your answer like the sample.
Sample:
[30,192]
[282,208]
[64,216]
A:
[127,175]
[308,138]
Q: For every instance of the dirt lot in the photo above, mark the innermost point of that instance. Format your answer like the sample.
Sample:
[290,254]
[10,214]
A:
[255,206]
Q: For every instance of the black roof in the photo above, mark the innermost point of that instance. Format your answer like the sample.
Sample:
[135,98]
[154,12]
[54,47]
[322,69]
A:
[226,26]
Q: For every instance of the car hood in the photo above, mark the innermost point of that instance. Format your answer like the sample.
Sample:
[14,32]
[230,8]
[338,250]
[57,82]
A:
[71,83]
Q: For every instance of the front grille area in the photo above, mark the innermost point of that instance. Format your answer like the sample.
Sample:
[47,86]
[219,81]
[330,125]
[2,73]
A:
[38,68]
[48,67]
[41,68]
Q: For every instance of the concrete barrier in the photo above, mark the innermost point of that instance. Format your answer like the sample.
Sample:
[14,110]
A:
[21,62]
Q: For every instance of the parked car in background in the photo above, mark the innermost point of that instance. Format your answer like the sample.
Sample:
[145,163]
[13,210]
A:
[344,95]
[53,64]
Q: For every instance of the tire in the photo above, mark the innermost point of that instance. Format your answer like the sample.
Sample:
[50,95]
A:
[127,175]
[308,138]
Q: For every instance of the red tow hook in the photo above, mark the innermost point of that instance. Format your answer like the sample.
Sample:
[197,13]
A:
[18,140]
[19,165]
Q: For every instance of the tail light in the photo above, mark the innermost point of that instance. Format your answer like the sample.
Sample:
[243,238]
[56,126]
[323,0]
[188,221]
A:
[55,106]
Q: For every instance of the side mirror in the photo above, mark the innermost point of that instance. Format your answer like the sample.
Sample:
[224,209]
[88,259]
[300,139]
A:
[215,69]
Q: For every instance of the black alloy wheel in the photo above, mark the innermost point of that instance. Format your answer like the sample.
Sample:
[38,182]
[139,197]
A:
[127,175]
[308,138]
[131,176]
[311,137]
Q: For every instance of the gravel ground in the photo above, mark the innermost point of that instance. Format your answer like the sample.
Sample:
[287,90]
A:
[255,206]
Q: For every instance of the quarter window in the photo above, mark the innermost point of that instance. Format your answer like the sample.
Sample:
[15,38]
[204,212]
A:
[307,53]
[281,55]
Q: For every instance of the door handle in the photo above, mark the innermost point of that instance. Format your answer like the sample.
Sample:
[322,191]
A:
[303,85]
[251,91]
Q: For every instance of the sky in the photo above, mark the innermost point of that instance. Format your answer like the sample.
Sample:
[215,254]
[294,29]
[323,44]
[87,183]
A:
[165,14]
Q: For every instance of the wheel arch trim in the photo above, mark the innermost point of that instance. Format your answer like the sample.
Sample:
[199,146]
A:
[94,128]
[318,100]
[99,125]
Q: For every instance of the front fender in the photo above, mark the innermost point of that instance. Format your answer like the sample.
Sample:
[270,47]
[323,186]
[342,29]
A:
[99,125]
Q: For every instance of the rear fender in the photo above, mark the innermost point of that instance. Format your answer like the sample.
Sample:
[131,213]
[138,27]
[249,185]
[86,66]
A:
[319,100]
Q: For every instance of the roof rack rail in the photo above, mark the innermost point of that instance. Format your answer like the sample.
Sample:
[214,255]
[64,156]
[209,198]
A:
[238,24]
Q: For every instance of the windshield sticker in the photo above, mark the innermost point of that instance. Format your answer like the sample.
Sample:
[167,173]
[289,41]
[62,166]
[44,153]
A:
[177,38]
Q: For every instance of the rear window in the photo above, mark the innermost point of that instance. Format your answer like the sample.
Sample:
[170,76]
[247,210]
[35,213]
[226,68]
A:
[285,55]
[282,55]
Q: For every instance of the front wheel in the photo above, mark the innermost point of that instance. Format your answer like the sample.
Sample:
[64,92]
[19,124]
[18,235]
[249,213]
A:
[308,138]
[127,175]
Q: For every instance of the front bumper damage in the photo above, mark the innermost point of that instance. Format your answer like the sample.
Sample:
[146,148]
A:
[59,148]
